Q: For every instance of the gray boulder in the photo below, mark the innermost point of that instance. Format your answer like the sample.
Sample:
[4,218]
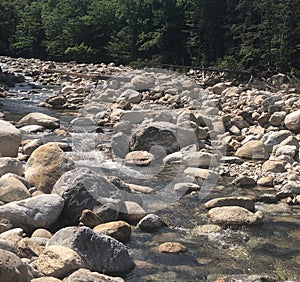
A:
[99,252]
[36,212]
[82,189]
[40,119]
[10,165]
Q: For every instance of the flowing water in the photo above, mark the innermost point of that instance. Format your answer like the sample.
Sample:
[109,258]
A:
[272,248]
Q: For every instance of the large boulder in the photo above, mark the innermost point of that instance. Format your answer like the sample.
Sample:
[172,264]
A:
[253,149]
[10,139]
[292,121]
[46,165]
[40,119]
[12,268]
[99,252]
[58,261]
[10,165]
[36,212]
[162,134]
[234,215]
[83,189]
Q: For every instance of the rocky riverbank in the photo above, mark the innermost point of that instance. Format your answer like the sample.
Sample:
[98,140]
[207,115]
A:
[143,144]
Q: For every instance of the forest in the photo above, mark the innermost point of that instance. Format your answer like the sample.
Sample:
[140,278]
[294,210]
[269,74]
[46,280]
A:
[253,35]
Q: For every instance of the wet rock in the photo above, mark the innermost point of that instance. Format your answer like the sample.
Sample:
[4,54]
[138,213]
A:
[267,198]
[83,189]
[172,248]
[120,230]
[46,165]
[12,268]
[132,212]
[253,149]
[244,202]
[58,261]
[12,189]
[151,222]
[244,181]
[234,215]
[288,190]
[10,139]
[10,165]
[32,213]
[140,189]
[85,275]
[94,249]
[273,166]
[56,102]
[242,277]
[139,158]
[292,121]
[40,119]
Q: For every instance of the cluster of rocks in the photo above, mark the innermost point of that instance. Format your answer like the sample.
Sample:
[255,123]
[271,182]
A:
[73,223]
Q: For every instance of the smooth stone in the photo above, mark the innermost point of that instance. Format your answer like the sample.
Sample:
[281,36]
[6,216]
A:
[11,165]
[40,119]
[200,159]
[267,198]
[120,230]
[172,248]
[32,129]
[32,213]
[139,158]
[46,165]
[12,189]
[201,173]
[244,181]
[12,268]
[141,82]
[234,215]
[273,166]
[266,181]
[12,236]
[289,189]
[277,118]
[186,187]
[273,138]
[132,212]
[244,202]
[58,261]
[7,246]
[83,188]
[10,139]
[151,222]
[292,121]
[41,233]
[94,249]
[22,179]
[141,189]
[46,279]
[85,275]
[253,150]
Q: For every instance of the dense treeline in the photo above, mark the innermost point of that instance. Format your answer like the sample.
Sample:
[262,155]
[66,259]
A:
[261,35]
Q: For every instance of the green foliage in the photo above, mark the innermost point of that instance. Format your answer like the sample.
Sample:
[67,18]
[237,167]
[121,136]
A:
[235,34]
